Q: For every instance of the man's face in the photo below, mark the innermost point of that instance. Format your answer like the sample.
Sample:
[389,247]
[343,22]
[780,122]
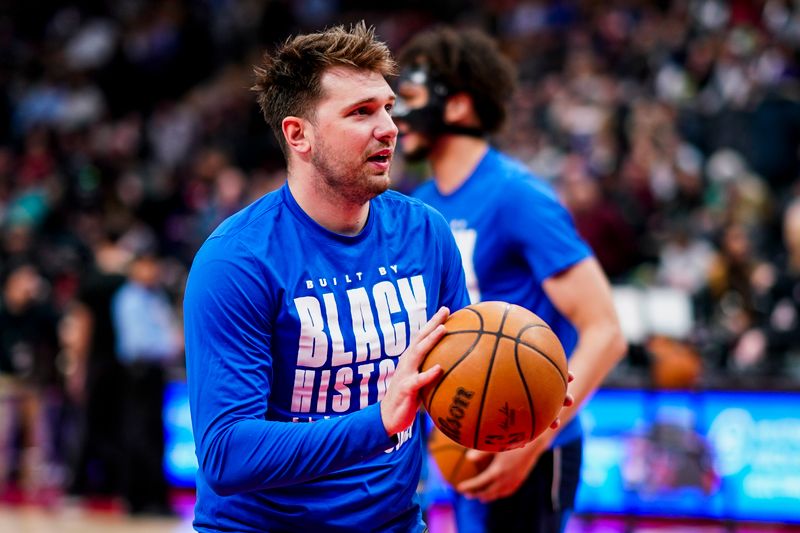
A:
[415,144]
[353,135]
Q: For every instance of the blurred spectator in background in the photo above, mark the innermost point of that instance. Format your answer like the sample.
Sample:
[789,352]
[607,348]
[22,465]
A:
[776,334]
[729,297]
[598,220]
[93,375]
[684,259]
[28,380]
[148,341]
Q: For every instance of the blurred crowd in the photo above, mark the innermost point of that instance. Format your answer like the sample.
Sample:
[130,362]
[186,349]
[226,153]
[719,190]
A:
[671,130]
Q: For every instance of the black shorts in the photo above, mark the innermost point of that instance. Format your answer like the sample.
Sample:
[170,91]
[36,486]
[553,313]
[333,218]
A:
[540,504]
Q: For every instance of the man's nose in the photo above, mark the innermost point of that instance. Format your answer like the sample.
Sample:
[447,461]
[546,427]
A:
[386,129]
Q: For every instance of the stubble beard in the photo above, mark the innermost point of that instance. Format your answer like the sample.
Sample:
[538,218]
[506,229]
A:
[352,183]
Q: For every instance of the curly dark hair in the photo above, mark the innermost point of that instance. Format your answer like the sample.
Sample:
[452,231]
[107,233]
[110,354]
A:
[466,61]
[288,81]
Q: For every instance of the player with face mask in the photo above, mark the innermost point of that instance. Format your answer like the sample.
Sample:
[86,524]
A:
[518,245]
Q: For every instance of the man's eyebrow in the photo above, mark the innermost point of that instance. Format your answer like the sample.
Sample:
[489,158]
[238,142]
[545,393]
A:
[372,99]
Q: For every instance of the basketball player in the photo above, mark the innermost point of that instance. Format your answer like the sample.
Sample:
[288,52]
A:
[518,245]
[301,307]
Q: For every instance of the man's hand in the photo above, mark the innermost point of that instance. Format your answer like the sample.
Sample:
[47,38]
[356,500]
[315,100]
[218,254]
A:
[506,471]
[400,405]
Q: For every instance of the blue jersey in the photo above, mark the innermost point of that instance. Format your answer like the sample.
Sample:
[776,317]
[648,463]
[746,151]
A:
[513,234]
[292,335]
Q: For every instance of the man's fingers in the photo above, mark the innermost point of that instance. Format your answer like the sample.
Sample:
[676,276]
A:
[426,343]
[474,485]
[438,318]
[569,400]
[478,456]
[413,358]
[428,377]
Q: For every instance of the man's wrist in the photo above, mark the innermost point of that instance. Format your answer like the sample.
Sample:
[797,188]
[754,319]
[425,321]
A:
[389,432]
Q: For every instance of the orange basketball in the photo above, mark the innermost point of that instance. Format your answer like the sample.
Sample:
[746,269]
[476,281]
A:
[504,380]
[451,459]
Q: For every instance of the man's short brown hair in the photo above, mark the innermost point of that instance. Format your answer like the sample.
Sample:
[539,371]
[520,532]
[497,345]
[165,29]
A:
[466,61]
[288,81]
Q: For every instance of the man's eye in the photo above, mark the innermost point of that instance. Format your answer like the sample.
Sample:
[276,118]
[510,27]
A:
[389,107]
[360,111]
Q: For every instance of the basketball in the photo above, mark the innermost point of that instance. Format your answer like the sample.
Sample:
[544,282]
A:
[451,459]
[504,380]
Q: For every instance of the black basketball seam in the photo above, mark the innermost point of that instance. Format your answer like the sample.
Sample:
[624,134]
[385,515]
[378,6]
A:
[525,388]
[499,333]
[540,352]
[489,374]
[480,316]
[460,359]
[530,326]
[517,340]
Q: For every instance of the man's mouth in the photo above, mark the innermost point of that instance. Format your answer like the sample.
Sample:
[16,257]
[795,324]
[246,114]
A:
[380,157]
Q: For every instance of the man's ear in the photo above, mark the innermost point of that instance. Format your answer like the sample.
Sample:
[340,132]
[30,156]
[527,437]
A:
[297,133]
[460,110]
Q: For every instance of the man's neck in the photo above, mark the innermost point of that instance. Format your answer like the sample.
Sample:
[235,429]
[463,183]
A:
[454,159]
[326,207]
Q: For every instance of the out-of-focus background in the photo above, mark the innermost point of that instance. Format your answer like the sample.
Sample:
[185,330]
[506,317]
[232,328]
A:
[670,128]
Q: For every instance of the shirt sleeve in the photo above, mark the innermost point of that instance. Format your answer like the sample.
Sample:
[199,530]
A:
[228,309]
[535,221]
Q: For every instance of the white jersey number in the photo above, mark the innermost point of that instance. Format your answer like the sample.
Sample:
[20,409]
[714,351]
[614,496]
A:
[465,240]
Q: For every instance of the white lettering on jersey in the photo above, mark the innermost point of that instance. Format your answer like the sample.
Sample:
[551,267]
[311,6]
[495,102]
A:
[465,240]
[312,349]
[303,388]
[415,300]
[322,398]
[341,402]
[340,356]
[367,342]
[385,372]
[365,371]
[402,437]
[333,388]
[387,303]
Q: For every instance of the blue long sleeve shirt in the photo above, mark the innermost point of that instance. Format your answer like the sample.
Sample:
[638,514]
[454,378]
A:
[292,335]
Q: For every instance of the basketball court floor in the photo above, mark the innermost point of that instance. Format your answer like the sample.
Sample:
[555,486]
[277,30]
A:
[76,518]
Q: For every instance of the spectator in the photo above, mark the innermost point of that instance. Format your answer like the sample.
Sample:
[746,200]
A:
[777,333]
[28,348]
[94,378]
[148,341]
